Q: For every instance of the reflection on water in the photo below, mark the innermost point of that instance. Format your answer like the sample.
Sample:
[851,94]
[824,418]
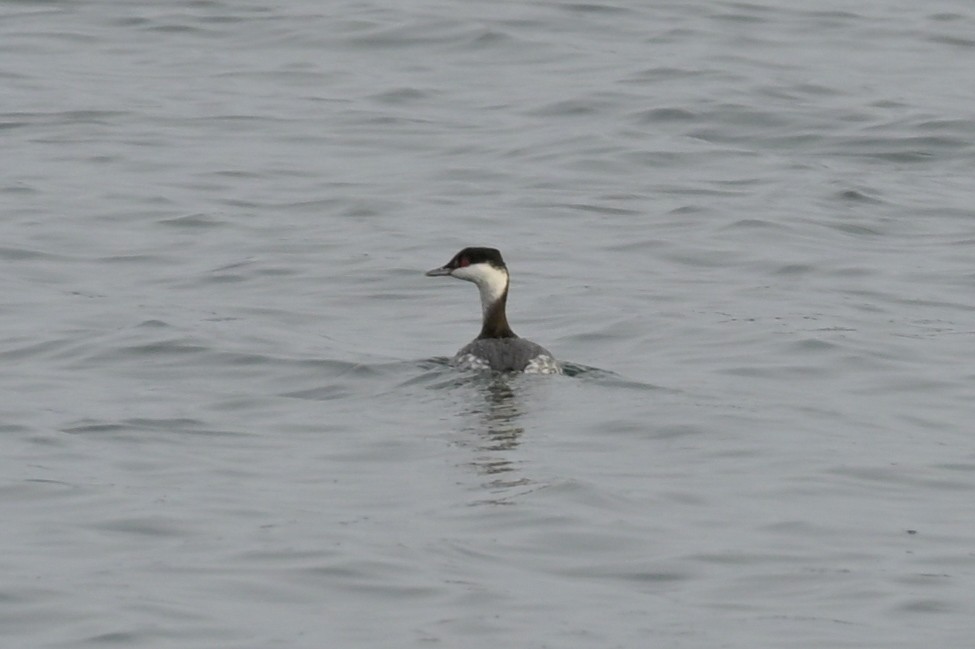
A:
[491,414]
[494,424]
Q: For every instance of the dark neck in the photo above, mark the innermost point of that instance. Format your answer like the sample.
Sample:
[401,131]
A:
[495,320]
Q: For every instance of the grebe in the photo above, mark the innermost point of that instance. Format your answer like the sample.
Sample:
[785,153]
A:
[497,347]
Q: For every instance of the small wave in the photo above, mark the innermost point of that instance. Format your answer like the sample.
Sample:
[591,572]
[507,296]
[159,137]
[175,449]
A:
[437,368]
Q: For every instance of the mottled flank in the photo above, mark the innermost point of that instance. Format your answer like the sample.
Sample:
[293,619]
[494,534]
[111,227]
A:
[507,355]
[543,365]
[470,362]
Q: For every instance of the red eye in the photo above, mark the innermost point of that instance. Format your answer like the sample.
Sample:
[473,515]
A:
[464,261]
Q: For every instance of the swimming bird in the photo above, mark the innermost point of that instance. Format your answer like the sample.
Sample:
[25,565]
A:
[497,347]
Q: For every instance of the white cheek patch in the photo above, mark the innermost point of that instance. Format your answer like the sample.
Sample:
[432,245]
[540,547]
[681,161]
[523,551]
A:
[491,282]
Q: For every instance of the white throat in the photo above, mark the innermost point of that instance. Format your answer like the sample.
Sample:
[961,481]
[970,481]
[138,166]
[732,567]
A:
[491,282]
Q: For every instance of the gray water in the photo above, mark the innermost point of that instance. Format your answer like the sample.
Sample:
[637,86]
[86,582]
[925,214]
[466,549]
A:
[226,421]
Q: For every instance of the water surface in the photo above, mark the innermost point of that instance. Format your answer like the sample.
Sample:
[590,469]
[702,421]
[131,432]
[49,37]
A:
[226,417]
